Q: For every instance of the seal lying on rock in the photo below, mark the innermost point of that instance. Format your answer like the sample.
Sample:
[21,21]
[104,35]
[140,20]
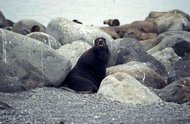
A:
[90,68]
[112,22]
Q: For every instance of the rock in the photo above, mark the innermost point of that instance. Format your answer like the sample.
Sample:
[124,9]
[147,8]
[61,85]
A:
[178,91]
[45,38]
[182,48]
[141,72]
[174,20]
[31,61]
[149,43]
[167,57]
[10,23]
[182,67]
[132,50]
[170,39]
[73,51]
[66,31]
[10,83]
[4,105]
[3,21]
[126,89]
[24,26]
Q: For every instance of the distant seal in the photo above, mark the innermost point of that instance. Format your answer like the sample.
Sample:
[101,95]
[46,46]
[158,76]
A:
[112,22]
[76,21]
[90,68]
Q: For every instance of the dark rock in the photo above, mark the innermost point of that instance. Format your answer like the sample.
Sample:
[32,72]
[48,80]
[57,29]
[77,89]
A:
[4,105]
[132,50]
[178,91]
[168,58]
[3,21]
[10,23]
[170,39]
[182,48]
[182,67]
[24,26]
[27,63]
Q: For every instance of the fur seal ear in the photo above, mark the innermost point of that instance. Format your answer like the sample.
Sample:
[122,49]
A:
[35,28]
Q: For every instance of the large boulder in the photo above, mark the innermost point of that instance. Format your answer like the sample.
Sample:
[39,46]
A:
[126,89]
[170,39]
[45,38]
[3,21]
[174,20]
[178,91]
[182,67]
[73,51]
[167,57]
[27,63]
[141,72]
[25,26]
[131,50]
[66,31]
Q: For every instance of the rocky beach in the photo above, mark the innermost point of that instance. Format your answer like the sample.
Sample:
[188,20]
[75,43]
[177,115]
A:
[147,76]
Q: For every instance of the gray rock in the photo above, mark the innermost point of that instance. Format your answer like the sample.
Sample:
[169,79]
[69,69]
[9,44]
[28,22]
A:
[45,38]
[126,89]
[182,67]
[167,57]
[66,31]
[170,39]
[141,72]
[149,43]
[3,21]
[10,84]
[132,50]
[178,91]
[24,26]
[31,61]
[174,20]
[73,51]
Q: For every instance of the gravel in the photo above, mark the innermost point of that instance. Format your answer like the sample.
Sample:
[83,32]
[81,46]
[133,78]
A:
[57,106]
